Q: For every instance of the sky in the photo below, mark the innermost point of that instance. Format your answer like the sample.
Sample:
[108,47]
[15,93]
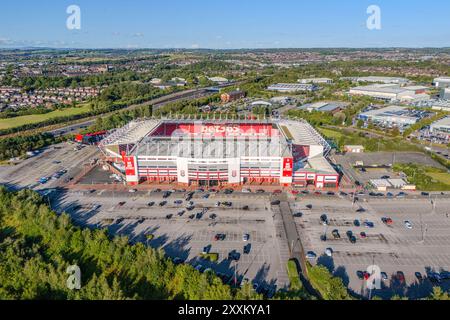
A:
[224,24]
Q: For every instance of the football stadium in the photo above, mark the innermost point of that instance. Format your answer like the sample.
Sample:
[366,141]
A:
[221,153]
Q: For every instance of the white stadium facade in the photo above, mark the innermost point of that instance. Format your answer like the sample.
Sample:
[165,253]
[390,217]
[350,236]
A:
[221,153]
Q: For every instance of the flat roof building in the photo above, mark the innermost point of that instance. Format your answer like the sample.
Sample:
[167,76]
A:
[445,94]
[377,79]
[332,107]
[390,92]
[390,116]
[442,82]
[316,80]
[293,87]
[441,126]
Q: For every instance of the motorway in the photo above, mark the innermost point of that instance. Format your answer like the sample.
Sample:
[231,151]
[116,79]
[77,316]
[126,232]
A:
[157,103]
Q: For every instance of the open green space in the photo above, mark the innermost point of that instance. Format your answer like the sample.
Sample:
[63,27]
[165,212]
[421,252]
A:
[425,178]
[36,118]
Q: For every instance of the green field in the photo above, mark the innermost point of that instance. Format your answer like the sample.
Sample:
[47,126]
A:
[331,134]
[36,118]
[442,177]
[425,178]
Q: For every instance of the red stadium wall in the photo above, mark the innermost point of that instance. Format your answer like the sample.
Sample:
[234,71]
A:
[213,130]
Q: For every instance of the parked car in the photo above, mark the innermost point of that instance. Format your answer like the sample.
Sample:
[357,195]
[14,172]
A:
[418,276]
[247,248]
[329,252]
[336,234]
[298,215]
[245,237]
[408,225]
[311,255]
[151,204]
[384,276]
[356,223]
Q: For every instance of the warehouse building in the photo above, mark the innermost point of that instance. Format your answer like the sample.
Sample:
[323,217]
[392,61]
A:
[392,116]
[293,87]
[441,126]
[376,79]
[445,94]
[332,107]
[442,82]
[390,92]
[316,80]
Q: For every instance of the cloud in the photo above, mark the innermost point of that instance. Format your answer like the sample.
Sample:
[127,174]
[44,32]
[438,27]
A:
[138,35]
[195,46]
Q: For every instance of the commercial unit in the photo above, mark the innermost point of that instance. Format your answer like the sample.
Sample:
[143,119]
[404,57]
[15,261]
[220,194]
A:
[316,80]
[445,94]
[392,116]
[390,92]
[332,107]
[221,153]
[441,126]
[376,79]
[293,87]
[442,82]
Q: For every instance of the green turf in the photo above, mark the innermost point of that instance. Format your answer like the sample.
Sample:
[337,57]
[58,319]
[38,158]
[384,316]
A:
[36,118]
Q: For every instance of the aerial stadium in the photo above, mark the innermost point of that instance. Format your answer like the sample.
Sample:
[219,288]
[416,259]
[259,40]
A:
[221,153]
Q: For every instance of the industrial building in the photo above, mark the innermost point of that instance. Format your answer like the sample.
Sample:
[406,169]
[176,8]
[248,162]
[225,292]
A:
[442,82]
[445,94]
[332,107]
[441,126]
[316,80]
[221,153]
[293,87]
[392,116]
[390,92]
[376,79]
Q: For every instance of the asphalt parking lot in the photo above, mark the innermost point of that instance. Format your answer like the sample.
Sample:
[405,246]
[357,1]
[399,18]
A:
[182,237]
[348,161]
[27,173]
[394,248]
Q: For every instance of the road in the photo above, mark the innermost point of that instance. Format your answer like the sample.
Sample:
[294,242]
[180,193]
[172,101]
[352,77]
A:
[157,103]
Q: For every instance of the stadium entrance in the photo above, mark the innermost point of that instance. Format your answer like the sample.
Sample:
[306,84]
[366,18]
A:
[208,183]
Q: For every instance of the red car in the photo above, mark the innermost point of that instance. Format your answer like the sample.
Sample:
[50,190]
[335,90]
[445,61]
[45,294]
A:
[363,235]
[277,192]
